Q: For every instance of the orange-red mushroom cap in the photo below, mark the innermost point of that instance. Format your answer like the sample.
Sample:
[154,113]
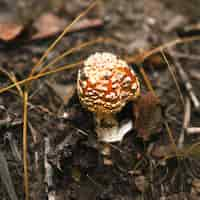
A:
[106,83]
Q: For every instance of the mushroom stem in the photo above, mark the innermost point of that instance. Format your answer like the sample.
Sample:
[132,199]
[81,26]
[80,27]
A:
[107,127]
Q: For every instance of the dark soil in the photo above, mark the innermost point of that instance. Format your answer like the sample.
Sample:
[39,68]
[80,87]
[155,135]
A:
[135,169]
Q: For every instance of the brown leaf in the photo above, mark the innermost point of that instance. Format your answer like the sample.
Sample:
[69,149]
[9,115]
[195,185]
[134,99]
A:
[148,116]
[9,31]
[47,25]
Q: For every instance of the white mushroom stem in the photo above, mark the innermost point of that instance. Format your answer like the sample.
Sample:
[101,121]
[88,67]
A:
[108,129]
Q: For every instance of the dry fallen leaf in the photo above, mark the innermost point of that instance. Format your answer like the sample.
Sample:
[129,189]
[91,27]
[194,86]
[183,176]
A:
[47,25]
[9,31]
[148,116]
[50,24]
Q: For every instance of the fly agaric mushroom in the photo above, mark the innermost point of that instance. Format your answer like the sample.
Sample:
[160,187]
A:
[105,84]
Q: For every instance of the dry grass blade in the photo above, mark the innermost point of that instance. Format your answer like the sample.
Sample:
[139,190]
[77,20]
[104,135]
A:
[26,183]
[147,81]
[142,56]
[192,148]
[70,51]
[35,77]
[14,80]
[25,157]
[139,58]
[61,36]
[75,49]
[174,78]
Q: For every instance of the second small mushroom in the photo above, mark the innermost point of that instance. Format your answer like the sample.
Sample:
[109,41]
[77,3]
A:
[105,84]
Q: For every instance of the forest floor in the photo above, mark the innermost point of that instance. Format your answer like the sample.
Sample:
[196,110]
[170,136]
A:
[165,167]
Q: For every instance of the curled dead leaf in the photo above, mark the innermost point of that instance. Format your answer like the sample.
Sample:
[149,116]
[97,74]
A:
[148,116]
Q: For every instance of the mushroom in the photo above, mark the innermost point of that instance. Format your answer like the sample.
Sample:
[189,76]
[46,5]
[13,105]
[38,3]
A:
[105,84]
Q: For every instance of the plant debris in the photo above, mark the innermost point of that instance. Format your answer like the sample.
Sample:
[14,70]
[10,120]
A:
[148,116]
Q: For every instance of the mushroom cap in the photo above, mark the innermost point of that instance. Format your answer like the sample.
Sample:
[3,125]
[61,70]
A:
[105,83]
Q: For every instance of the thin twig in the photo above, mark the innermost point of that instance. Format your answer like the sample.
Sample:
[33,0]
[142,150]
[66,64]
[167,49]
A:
[174,78]
[48,171]
[187,115]
[142,56]
[188,85]
[137,59]
[35,141]
[193,130]
[195,74]
[146,80]
[186,122]
[185,55]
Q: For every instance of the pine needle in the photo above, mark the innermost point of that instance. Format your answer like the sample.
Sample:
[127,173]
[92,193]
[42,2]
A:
[61,36]
[14,80]
[142,56]
[35,77]
[146,80]
[174,78]
[75,49]
[25,157]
